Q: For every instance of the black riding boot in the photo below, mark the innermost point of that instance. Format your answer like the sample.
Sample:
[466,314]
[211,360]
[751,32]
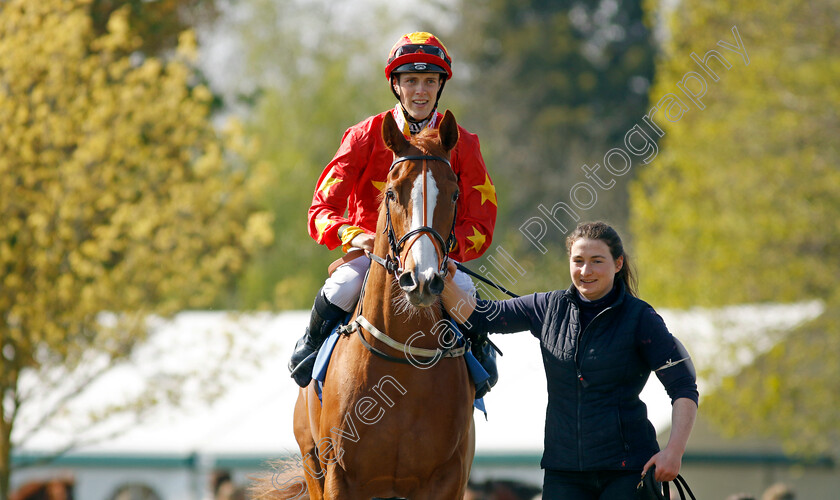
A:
[486,355]
[324,318]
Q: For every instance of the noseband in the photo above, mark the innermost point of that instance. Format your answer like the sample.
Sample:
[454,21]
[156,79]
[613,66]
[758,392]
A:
[394,262]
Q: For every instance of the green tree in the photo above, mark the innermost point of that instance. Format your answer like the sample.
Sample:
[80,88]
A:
[116,195]
[326,78]
[789,393]
[742,204]
[157,24]
[549,87]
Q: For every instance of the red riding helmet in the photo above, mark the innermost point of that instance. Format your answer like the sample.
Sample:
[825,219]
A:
[419,52]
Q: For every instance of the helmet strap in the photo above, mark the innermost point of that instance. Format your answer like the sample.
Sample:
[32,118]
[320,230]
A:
[440,90]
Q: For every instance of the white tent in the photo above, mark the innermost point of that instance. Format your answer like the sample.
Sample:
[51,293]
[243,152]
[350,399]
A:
[246,356]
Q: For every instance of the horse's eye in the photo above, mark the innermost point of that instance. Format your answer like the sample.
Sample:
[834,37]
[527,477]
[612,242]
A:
[390,195]
[455,196]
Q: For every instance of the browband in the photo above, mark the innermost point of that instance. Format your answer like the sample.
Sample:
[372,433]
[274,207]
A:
[419,157]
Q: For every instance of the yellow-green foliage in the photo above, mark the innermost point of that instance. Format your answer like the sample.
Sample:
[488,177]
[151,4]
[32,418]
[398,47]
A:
[791,392]
[741,204]
[298,120]
[116,192]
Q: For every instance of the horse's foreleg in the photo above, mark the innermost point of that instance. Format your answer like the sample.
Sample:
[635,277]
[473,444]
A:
[313,472]
[336,486]
[314,476]
[469,454]
[450,480]
[447,483]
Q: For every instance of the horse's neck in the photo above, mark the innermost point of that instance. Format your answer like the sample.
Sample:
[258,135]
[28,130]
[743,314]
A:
[380,306]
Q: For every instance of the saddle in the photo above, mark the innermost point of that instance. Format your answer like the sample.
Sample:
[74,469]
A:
[353,254]
[319,372]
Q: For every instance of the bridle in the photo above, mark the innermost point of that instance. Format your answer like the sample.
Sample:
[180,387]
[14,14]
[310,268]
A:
[394,262]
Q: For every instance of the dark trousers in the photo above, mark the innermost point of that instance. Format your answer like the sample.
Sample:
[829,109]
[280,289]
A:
[594,485]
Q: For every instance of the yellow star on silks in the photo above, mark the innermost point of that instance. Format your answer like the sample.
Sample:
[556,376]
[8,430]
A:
[379,185]
[321,225]
[487,190]
[329,181]
[477,240]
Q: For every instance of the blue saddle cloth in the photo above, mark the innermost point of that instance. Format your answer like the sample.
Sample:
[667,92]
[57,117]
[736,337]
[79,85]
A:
[319,372]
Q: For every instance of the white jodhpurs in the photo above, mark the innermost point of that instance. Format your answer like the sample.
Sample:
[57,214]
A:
[342,289]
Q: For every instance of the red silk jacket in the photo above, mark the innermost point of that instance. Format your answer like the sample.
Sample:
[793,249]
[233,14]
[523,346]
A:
[352,182]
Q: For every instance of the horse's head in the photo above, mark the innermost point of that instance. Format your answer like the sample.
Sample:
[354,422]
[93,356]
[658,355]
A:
[419,207]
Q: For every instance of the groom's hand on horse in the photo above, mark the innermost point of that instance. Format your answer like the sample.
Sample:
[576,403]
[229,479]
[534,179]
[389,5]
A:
[450,295]
[363,241]
[451,268]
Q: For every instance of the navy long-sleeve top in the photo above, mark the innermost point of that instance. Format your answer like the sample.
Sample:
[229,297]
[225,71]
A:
[597,356]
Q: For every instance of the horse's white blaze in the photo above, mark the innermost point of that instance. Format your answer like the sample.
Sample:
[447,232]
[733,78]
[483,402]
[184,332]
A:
[423,251]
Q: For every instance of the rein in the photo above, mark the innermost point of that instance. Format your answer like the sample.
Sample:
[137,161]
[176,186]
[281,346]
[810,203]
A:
[464,269]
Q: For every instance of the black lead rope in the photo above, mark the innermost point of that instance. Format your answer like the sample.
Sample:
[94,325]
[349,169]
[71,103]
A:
[482,278]
[464,269]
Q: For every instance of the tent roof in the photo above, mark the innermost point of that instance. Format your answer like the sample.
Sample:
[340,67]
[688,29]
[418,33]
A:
[246,356]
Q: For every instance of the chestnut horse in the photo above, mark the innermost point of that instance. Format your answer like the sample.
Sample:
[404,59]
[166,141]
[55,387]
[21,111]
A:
[395,420]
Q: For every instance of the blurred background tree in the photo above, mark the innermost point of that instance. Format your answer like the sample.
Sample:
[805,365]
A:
[159,23]
[118,194]
[789,393]
[549,87]
[742,204]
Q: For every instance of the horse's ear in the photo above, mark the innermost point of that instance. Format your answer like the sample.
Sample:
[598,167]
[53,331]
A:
[392,135]
[448,131]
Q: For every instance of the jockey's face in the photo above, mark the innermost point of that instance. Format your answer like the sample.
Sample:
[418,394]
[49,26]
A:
[417,92]
[593,268]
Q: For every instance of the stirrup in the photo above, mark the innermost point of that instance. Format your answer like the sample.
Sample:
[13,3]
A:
[303,362]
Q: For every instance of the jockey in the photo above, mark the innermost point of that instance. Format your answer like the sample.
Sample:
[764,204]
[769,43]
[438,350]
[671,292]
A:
[417,69]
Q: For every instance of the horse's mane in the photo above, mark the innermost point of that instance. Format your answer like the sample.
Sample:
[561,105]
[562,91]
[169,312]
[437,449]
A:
[428,141]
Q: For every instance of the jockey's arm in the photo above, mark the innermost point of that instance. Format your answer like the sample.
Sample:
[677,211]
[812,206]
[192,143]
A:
[356,236]
[477,204]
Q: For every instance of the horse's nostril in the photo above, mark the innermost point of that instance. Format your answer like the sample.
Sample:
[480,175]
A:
[436,285]
[407,281]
